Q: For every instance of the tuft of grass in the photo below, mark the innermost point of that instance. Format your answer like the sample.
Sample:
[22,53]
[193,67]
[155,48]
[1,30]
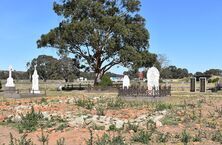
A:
[217,136]
[85,103]
[142,137]
[170,120]
[162,106]
[107,140]
[185,137]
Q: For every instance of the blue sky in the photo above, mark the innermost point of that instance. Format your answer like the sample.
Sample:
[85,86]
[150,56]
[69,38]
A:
[188,32]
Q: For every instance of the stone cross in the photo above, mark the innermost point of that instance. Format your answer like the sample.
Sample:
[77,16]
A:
[10,71]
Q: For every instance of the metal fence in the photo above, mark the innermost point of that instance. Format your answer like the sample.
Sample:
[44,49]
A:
[144,92]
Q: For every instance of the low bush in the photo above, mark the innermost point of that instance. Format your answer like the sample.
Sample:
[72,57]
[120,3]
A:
[85,103]
[185,137]
[142,137]
[30,121]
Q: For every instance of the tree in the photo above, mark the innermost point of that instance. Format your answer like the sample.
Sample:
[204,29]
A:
[69,68]
[100,34]
[172,72]
[163,61]
[216,72]
[47,67]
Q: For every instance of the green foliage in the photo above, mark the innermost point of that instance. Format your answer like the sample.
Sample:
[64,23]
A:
[85,103]
[62,126]
[112,128]
[100,110]
[170,120]
[217,136]
[44,139]
[117,103]
[107,140]
[142,137]
[97,127]
[162,106]
[163,137]
[185,137]
[105,81]
[172,72]
[22,141]
[133,127]
[0,85]
[60,141]
[30,121]
[215,80]
[100,34]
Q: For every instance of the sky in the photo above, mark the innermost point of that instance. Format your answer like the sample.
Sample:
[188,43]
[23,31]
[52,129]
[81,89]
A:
[188,32]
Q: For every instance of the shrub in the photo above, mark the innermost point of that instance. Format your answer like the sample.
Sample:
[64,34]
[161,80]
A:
[105,81]
[22,141]
[185,137]
[44,139]
[30,121]
[163,137]
[117,103]
[85,103]
[217,136]
[170,120]
[106,140]
[61,141]
[100,110]
[162,106]
[142,137]
[133,127]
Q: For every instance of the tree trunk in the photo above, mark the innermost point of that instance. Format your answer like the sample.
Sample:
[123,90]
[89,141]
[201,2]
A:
[98,78]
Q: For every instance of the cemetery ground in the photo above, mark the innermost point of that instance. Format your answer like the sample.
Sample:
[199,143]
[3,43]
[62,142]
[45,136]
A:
[102,118]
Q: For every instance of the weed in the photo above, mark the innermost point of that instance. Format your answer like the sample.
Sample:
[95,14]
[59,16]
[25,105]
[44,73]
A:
[61,141]
[117,103]
[162,106]
[22,141]
[142,137]
[62,126]
[30,121]
[217,136]
[211,124]
[85,103]
[107,140]
[100,110]
[43,138]
[133,127]
[163,137]
[170,120]
[185,137]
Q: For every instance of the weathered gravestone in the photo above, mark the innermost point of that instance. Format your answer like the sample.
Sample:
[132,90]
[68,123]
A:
[192,84]
[153,76]
[35,82]
[126,82]
[203,81]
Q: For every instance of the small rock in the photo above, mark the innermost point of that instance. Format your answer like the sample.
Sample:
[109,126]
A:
[119,124]
[158,124]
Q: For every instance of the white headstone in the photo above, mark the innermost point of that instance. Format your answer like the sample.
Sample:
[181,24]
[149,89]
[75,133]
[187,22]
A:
[35,82]
[10,82]
[126,82]
[153,76]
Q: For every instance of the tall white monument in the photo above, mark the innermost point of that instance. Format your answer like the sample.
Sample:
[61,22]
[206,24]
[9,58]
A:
[10,82]
[35,82]
[126,82]
[153,76]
